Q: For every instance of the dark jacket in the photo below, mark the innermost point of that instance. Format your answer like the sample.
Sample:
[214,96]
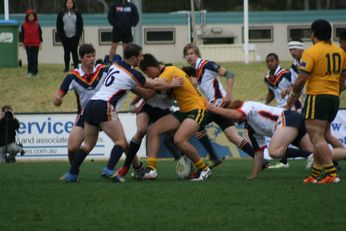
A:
[8,127]
[30,32]
[60,25]
[123,15]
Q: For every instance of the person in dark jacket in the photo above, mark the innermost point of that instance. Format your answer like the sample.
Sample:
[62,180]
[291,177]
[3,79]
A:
[8,126]
[69,25]
[31,36]
[122,16]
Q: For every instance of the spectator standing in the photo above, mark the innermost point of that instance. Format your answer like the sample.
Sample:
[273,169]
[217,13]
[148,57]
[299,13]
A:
[122,15]
[69,26]
[31,36]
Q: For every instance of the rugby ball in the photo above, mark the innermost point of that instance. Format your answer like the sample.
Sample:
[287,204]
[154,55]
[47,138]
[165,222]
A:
[183,168]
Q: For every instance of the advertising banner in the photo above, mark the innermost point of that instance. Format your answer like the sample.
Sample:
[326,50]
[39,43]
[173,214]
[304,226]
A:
[45,137]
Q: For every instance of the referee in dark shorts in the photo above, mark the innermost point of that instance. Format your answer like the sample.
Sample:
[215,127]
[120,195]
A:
[122,16]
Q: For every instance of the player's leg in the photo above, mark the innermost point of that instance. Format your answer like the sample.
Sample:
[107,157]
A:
[317,130]
[142,121]
[338,154]
[91,135]
[167,123]
[234,137]
[181,138]
[75,140]
[114,130]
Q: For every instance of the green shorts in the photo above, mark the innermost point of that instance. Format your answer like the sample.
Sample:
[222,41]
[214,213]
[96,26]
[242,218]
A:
[321,107]
[198,115]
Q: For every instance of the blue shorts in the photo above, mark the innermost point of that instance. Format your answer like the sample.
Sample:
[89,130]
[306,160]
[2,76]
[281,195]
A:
[98,111]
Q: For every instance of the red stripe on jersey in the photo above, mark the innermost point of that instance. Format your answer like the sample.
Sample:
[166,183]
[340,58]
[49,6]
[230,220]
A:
[278,76]
[88,79]
[268,115]
[200,69]
[129,74]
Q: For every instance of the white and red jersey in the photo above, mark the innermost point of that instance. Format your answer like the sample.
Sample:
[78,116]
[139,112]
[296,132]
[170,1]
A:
[209,81]
[260,117]
[121,78]
[281,80]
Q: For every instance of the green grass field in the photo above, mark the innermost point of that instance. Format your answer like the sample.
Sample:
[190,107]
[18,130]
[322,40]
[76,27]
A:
[32,198]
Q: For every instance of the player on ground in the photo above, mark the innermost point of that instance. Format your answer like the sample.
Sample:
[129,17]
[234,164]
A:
[322,70]
[284,128]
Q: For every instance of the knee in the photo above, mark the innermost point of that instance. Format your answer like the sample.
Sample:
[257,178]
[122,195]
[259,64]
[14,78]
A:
[121,143]
[140,133]
[178,141]
[152,132]
[86,147]
[274,152]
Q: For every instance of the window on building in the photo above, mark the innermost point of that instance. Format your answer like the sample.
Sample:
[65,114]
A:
[260,34]
[57,41]
[298,32]
[337,30]
[159,36]
[218,40]
[105,36]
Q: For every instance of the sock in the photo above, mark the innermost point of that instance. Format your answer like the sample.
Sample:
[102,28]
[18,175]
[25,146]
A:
[70,155]
[152,161]
[131,152]
[78,159]
[284,160]
[330,170]
[200,165]
[168,141]
[116,153]
[315,172]
[292,153]
[246,147]
[139,168]
[204,139]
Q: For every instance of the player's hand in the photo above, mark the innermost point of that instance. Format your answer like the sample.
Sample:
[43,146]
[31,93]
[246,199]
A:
[227,99]
[57,101]
[284,92]
[177,82]
[210,106]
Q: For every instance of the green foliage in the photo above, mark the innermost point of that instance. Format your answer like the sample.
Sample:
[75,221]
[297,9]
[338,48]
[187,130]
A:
[161,6]
[32,198]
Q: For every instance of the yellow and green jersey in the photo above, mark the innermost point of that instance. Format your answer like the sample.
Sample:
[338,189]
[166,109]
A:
[187,96]
[324,63]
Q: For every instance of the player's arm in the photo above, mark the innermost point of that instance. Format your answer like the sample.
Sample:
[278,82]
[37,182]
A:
[163,84]
[57,97]
[143,92]
[63,89]
[342,81]
[297,89]
[230,80]
[257,164]
[269,97]
[227,113]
